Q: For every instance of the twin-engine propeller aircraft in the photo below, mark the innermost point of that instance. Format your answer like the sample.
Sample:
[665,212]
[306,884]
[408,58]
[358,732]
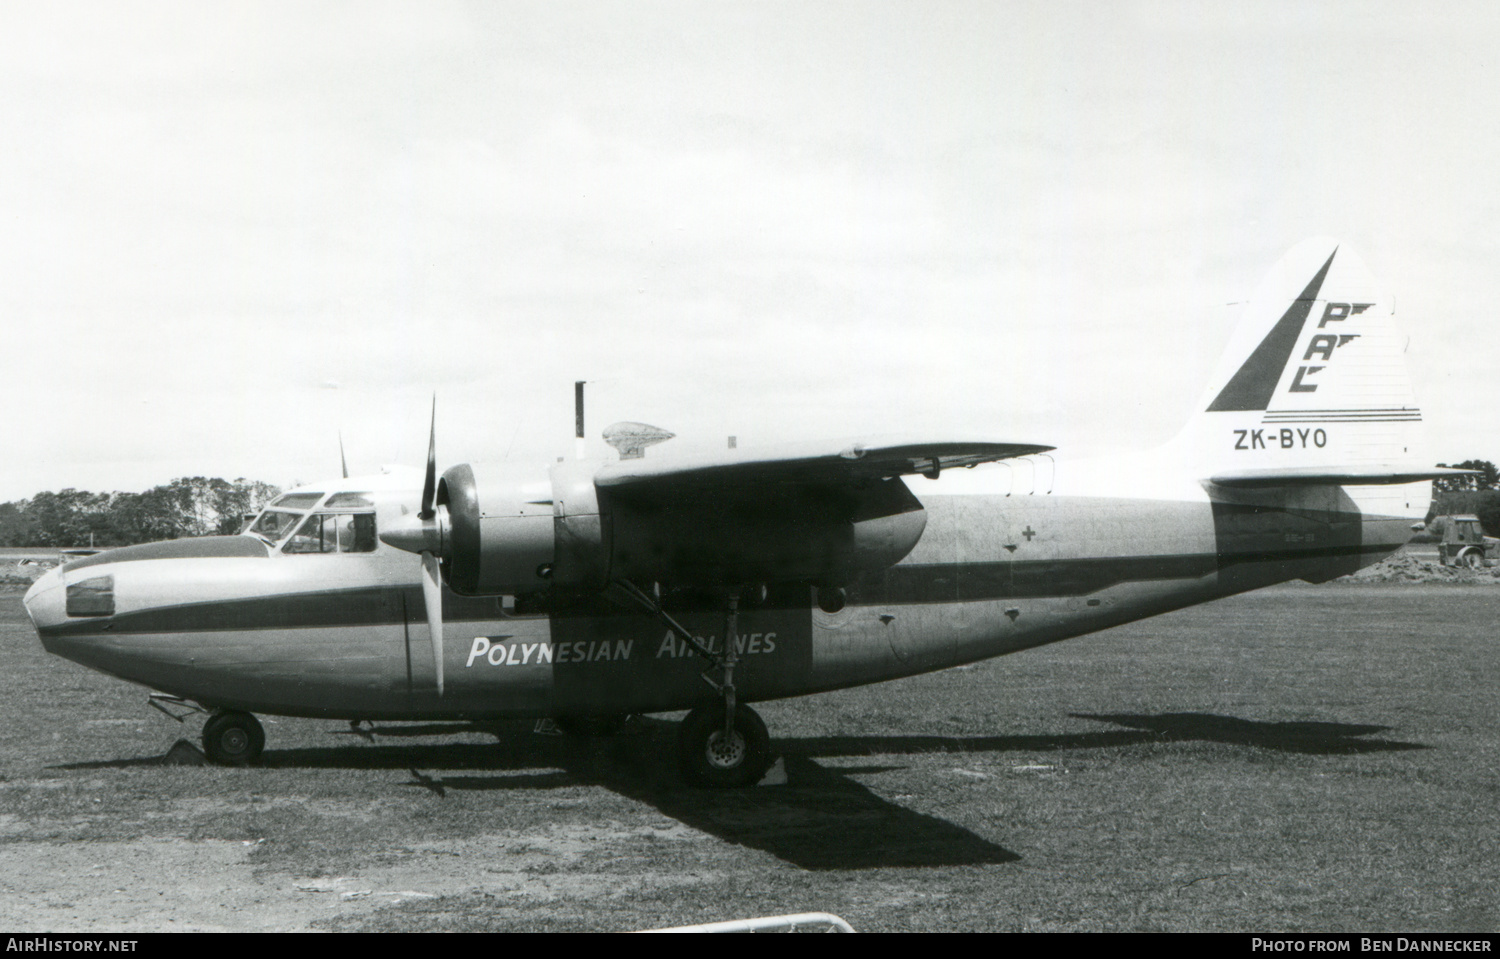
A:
[589,590]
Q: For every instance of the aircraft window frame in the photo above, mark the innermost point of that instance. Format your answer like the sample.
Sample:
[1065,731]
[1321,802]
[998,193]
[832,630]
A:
[326,532]
[302,501]
[350,501]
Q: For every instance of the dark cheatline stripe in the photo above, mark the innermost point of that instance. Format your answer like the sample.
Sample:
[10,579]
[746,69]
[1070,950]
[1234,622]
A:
[197,547]
[899,585]
[950,582]
[1292,555]
[346,607]
[1251,387]
[368,606]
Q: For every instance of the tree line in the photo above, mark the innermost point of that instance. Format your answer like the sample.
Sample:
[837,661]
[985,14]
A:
[189,506]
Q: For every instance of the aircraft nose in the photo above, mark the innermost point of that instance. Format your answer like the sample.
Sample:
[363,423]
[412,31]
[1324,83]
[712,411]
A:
[46,600]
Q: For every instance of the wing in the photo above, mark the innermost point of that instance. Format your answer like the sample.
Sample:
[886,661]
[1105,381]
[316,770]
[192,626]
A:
[821,513]
[848,463]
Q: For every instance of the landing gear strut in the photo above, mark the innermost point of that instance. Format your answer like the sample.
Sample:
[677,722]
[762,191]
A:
[233,738]
[716,746]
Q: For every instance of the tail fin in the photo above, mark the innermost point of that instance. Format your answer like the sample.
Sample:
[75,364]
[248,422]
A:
[1314,381]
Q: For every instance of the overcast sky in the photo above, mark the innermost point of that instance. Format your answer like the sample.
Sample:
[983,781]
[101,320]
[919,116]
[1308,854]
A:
[229,231]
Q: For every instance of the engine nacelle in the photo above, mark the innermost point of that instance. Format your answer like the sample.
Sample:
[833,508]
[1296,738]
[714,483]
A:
[510,532]
[815,533]
[500,538]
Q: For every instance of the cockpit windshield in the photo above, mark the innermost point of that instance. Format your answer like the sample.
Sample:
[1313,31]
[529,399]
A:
[346,523]
[273,524]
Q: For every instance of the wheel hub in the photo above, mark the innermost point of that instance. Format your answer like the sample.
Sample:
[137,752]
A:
[725,752]
[234,741]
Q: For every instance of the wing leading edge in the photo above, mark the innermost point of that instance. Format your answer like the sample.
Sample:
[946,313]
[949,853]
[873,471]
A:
[821,463]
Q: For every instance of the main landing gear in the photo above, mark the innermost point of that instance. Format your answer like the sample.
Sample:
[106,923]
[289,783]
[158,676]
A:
[722,746]
[713,753]
[233,738]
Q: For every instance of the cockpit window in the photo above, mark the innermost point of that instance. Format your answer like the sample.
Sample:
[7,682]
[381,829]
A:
[346,500]
[274,524]
[334,533]
[298,500]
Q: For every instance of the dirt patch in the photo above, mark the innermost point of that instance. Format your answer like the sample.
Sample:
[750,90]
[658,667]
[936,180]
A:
[140,886]
[165,885]
[1403,567]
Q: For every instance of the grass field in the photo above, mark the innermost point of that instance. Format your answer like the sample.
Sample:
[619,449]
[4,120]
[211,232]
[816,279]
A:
[1299,759]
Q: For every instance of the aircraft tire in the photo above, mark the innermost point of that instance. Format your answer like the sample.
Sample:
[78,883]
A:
[606,724]
[706,761]
[233,738]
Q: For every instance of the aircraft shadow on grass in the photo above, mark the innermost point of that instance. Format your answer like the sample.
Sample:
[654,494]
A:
[1318,738]
[821,819]
[1321,738]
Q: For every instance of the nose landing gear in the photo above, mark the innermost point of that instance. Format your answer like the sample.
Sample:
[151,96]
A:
[233,738]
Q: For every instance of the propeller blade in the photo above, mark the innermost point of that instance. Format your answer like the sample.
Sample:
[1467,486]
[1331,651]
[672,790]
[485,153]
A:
[432,598]
[429,482]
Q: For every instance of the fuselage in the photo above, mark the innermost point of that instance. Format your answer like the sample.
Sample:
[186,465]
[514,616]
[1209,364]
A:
[1012,556]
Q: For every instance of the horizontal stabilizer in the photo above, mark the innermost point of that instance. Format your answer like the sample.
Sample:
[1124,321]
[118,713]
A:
[811,463]
[1332,476]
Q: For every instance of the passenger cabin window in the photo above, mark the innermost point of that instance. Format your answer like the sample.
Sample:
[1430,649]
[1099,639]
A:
[334,533]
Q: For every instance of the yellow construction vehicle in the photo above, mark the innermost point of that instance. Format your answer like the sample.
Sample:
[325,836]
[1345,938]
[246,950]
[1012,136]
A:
[1464,543]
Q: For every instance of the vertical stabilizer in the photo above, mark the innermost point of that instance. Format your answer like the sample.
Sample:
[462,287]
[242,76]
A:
[1314,376]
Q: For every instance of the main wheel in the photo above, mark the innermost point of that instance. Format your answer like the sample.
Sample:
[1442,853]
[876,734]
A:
[708,758]
[233,738]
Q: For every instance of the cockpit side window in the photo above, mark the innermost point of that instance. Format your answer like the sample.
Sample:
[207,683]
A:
[334,533]
[359,535]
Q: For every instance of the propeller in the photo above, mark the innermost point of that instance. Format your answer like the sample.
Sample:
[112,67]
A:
[432,598]
[426,535]
[432,584]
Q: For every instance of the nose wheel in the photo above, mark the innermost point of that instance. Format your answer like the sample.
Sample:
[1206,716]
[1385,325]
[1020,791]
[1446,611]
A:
[710,755]
[233,738]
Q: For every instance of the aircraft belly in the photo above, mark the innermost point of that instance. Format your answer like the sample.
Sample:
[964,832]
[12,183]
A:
[314,671]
